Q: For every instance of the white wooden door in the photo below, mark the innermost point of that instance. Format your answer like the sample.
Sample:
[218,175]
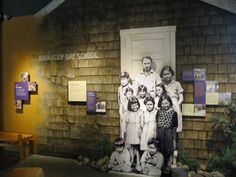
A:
[156,42]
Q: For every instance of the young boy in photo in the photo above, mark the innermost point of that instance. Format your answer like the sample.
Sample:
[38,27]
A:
[120,158]
[152,160]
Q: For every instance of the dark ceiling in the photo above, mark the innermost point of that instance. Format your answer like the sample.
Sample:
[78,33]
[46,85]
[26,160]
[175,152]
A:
[22,7]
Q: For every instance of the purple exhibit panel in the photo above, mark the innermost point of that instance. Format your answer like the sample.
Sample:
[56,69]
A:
[21,91]
[91,101]
[199,92]
[187,75]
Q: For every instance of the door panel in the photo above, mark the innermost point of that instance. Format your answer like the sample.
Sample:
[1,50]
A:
[157,42]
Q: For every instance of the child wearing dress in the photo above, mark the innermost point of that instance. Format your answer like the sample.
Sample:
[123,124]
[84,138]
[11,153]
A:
[133,129]
[124,87]
[160,90]
[174,90]
[167,123]
[120,158]
[142,93]
[148,123]
[152,160]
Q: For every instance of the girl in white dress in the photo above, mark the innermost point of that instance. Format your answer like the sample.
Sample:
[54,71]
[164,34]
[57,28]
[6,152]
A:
[174,91]
[133,129]
[125,91]
[148,123]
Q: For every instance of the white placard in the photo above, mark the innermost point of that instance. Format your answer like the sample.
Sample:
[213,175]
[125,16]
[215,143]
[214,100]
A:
[77,91]
[198,110]
[212,98]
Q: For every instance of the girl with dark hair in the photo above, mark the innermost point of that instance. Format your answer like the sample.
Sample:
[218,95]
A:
[167,123]
[123,107]
[148,123]
[174,90]
[160,90]
[133,129]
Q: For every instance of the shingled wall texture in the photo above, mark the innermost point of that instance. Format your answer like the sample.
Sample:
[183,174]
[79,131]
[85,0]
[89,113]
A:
[205,38]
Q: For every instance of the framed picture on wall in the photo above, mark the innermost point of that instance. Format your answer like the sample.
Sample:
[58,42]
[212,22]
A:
[32,86]
[25,77]
[225,97]
[18,104]
[101,107]
[199,74]
[212,86]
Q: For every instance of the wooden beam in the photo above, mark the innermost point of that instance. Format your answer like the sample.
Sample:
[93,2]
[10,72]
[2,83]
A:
[49,8]
[228,5]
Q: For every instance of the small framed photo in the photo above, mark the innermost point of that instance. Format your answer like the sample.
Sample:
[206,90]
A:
[225,98]
[25,77]
[200,110]
[32,86]
[187,75]
[18,104]
[199,74]
[101,107]
[212,86]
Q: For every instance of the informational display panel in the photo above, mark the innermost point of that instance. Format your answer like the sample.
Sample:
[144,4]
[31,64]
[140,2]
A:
[187,75]
[77,91]
[198,110]
[91,101]
[21,91]
[199,92]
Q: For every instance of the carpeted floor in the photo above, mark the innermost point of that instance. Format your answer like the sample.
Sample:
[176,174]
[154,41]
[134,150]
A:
[58,167]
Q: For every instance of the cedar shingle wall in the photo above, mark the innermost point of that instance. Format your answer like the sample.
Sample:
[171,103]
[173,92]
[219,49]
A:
[205,38]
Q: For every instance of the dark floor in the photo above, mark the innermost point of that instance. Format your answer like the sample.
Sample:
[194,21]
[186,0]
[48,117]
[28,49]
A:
[53,166]
[7,161]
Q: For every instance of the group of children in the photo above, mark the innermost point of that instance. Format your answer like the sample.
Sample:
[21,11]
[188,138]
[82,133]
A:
[148,125]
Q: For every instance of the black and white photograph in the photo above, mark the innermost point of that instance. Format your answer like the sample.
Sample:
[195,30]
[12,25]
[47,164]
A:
[18,104]
[225,98]
[32,86]
[150,115]
[25,77]
[199,110]
[101,107]
[212,86]
[199,74]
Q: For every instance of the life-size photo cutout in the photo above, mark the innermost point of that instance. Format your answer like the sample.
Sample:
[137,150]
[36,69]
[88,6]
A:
[174,90]
[150,115]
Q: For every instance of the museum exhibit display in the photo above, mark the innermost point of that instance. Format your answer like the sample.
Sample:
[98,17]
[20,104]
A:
[118,88]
